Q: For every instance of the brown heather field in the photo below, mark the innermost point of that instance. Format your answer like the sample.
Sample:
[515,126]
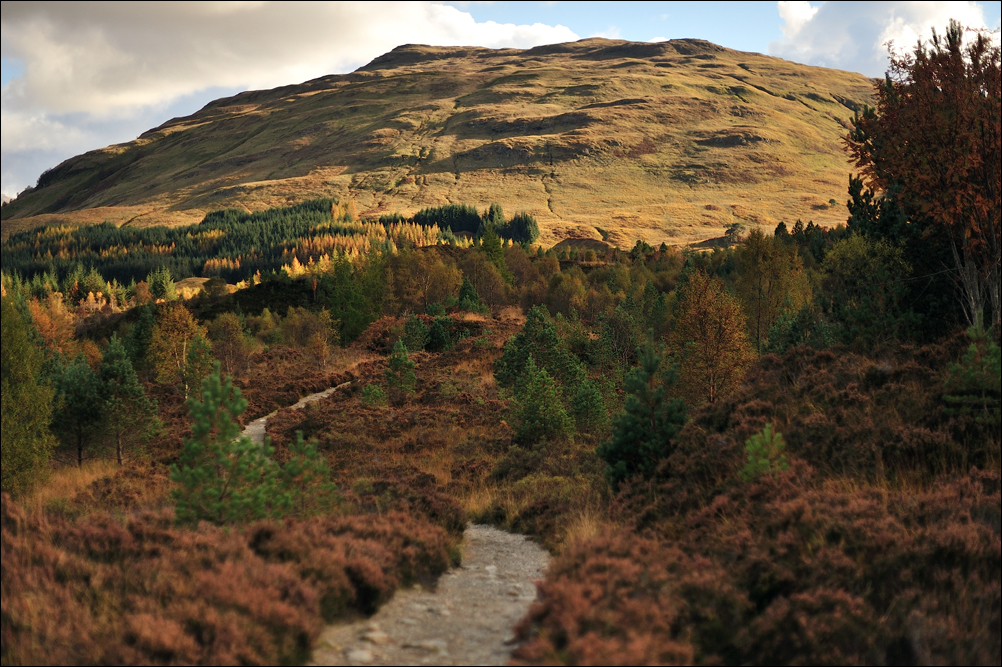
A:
[599,139]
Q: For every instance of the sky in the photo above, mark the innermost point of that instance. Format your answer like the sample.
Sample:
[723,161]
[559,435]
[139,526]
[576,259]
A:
[79,76]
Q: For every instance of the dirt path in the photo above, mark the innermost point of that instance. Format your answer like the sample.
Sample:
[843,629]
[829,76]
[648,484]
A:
[467,620]
[256,428]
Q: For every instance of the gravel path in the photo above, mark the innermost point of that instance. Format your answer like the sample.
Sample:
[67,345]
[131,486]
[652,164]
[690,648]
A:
[256,428]
[467,620]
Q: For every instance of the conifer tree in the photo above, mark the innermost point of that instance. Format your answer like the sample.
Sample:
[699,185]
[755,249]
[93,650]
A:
[25,405]
[642,434]
[415,334]
[400,375]
[80,412]
[222,476]
[539,412]
[131,416]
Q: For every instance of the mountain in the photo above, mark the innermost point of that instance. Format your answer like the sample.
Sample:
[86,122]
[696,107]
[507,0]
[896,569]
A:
[602,139]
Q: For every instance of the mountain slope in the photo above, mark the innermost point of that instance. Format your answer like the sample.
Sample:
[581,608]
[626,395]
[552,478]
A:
[598,138]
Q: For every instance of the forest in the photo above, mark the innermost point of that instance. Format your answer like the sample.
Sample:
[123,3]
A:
[783,451]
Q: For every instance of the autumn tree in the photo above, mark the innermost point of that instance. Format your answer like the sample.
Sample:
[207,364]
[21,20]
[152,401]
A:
[170,344]
[934,143]
[131,417]
[770,278]
[419,278]
[229,344]
[708,339]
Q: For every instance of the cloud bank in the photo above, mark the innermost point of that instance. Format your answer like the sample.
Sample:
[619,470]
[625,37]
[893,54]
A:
[854,35]
[97,73]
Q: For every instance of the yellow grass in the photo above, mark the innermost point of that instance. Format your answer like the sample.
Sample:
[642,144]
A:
[661,144]
[65,482]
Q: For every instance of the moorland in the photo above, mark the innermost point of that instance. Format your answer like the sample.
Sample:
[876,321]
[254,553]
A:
[782,447]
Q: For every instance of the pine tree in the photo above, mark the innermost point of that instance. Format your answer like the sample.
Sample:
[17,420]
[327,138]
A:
[137,342]
[305,478]
[131,416]
[222,476]
[81,409]
[539,413]
[400,375]
[539,340]
[415,334]
[25,405]
[642,434]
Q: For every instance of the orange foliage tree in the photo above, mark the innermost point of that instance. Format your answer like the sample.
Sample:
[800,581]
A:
[708,340]
[935,138]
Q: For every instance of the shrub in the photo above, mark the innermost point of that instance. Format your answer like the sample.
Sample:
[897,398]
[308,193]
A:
[765,454]
[373,396]
[305,477]
[400,377]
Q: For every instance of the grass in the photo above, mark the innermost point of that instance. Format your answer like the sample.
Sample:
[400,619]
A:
[549,135]
[65,483]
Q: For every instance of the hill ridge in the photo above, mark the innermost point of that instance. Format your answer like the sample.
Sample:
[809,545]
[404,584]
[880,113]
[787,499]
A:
[670,141]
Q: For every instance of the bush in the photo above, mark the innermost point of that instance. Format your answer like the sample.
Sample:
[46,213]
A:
[400,377]
[765,455]
[373,396]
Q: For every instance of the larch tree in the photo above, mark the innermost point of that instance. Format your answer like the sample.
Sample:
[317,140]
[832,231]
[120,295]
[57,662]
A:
[170,346]
[934,141]
[708,339]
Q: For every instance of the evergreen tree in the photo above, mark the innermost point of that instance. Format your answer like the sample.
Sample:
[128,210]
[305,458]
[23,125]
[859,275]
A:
[539,413]
[305,478]
[540,341]
[440,334]
[415,334]
[137,342]
[131,416]
[198,362]
[80,413]
[588,407]
[469,300]
[25,405]
[400,375]
[222,476]
[161,284]
[642,434]
[523,228]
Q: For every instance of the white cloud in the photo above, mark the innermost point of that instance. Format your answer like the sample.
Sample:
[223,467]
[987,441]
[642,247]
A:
[853,35]
[88,64]
[657,39]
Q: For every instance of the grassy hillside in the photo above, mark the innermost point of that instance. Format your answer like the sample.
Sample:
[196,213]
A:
[597,138]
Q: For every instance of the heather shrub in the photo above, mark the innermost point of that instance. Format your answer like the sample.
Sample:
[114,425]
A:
[205,596]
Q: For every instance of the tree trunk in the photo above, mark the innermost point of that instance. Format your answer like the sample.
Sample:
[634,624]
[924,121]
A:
[118,445]
[79,447]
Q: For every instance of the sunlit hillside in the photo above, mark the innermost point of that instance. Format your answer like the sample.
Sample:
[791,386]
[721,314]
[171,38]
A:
[606,139]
